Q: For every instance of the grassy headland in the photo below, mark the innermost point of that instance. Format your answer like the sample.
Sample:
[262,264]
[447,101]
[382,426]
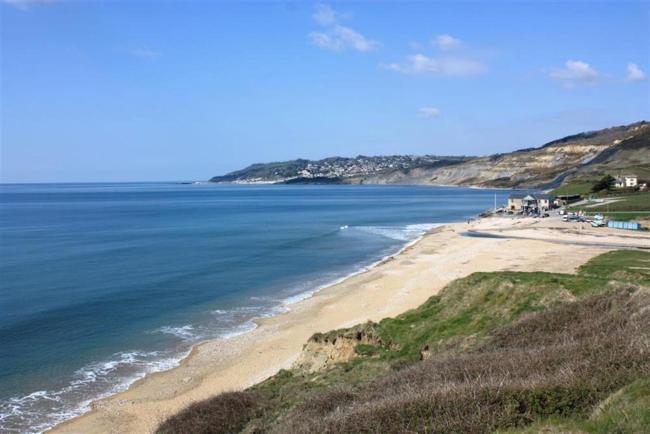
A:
[491,352]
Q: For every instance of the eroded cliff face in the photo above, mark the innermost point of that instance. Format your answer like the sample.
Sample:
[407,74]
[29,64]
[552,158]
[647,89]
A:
[542,167]
[324,350]
[526,168]
[519,169]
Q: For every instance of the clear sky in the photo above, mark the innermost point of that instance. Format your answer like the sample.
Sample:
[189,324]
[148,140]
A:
[184,90]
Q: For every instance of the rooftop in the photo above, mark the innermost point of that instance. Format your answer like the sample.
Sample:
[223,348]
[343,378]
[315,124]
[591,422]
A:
[536,196]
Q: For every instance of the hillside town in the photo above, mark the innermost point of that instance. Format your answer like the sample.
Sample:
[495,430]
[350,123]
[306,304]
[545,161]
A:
[363,166]
[333,168]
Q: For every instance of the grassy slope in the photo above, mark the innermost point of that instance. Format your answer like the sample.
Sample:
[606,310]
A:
[578,186]
[625,411]
[630,156]
[461,326]
[633,202]
[470,308]
[630,207]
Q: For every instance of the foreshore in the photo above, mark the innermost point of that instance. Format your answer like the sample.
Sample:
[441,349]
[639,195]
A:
[399,283]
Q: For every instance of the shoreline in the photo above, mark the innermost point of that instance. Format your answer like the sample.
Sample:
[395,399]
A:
[471,186]
[183,358]
[284,306]
[394,284]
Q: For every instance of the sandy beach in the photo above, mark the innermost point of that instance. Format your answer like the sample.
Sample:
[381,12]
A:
[400,283]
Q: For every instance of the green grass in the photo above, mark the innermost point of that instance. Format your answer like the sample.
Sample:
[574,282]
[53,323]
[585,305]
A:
[469,308]
[625,411]
[622,215]
[639,201]
[465,315]
[459,318]
[622,265]
[574,187]
[632,202]
[632,206]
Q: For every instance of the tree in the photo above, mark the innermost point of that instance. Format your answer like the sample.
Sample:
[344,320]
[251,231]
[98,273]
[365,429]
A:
[605,183]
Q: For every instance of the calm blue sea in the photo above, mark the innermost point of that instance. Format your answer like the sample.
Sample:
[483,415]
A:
[103,283]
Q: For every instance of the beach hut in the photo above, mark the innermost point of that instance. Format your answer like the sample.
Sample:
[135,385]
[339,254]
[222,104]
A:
[615,224]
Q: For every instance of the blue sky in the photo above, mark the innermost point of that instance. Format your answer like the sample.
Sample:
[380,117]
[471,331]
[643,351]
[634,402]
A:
[184,90]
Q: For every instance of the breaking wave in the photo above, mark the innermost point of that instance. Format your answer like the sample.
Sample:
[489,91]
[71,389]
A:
[44,409]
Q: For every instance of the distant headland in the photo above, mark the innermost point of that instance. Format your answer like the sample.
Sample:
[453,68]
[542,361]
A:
[582,157]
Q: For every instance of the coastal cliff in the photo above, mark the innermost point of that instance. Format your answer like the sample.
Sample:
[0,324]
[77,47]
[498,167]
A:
[622,148]
[520,352]
[326,349]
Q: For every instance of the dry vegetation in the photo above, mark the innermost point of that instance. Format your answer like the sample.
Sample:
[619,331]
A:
[509,351]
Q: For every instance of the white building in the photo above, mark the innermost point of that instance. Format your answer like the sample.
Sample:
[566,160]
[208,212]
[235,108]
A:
[529,202]
[626,181]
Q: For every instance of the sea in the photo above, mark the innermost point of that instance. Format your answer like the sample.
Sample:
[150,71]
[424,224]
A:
[102,284]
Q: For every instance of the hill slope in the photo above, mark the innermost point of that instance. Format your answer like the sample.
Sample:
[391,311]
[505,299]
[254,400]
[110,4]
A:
[623,148]
[335,169]
[631,155]
[492,351]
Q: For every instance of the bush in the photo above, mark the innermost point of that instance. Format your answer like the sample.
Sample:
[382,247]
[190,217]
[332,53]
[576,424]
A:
[223,414]
[555,363]
[506,351]
[605,183]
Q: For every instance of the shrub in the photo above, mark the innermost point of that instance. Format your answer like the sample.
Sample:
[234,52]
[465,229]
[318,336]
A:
[555,363]
[225,413]
[506,351]
[605,183]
